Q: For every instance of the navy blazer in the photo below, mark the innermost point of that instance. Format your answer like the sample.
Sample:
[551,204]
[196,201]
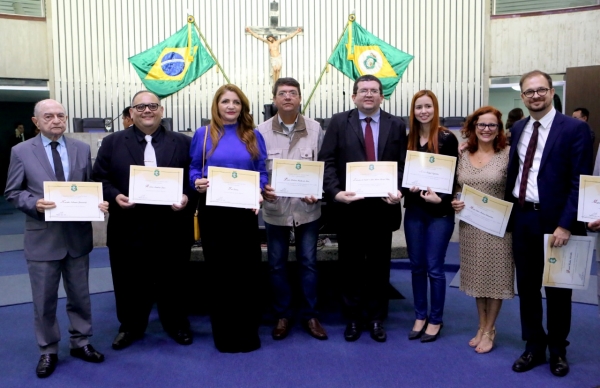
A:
[567,155]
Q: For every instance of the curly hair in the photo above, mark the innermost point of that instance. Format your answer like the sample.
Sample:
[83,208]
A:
[468,130]
[245,128]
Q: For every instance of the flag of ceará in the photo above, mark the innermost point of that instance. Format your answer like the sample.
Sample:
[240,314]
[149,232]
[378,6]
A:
[359,52]
[174,63]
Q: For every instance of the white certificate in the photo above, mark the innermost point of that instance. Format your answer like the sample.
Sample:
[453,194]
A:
[484,212]
[568,266]
[297,178]
[372,179]
[155,185]
[423,170]
[75,201]
[232,187]
[588,206]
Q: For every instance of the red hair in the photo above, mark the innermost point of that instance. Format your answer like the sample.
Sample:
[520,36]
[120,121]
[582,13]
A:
[468,130]
[434,125]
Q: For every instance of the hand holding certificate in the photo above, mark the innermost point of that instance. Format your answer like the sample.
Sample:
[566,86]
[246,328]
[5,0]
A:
[75,201]
[231,187]
[485,212]
[155,185]
[372,179]
[588,206]
[425,170]
[297,178]
[568,266]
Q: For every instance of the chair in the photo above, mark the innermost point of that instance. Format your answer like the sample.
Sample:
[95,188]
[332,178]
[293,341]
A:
[454,122]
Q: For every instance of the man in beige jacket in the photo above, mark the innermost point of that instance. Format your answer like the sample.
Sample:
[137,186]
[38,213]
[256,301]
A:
[289,135]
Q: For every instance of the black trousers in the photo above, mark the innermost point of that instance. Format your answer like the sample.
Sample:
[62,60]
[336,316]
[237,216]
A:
[231,246]
[364,252]
[145,275]
[528,250]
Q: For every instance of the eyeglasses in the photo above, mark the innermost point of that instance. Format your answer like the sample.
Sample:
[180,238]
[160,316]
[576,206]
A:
[541,92]
[142,107]
[48,117]
[482,126]
[364,92]
[290,93]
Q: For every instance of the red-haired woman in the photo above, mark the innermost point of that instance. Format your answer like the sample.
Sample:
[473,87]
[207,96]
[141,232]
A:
[486,263]
[230,237]
[428,219]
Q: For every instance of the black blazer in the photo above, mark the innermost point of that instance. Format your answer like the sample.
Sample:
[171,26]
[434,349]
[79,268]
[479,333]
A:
[143,224]
[344,142]
[567,155]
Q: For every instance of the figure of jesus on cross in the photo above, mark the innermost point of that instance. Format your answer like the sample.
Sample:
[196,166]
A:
[274,52]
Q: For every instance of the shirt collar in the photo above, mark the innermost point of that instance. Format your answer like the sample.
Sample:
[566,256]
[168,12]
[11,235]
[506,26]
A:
[284,126]
[375,116]
[46,141]
[547,120]
[141,136]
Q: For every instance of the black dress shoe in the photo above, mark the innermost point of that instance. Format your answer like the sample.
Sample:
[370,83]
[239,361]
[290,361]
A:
[413,334]
[528,361]
[124,339]
[377,332]
[182,336]
[431,337]
[352,332]
[46,365]
[88,353]
[559,365]
[281,330]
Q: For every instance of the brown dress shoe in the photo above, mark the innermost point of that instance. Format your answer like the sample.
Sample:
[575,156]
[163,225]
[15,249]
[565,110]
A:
[281,330]
[314,328]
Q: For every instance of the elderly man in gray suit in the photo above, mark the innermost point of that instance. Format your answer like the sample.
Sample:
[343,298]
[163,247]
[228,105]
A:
[53,249]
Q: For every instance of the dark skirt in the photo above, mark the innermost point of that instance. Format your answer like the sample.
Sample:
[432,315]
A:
[231,246]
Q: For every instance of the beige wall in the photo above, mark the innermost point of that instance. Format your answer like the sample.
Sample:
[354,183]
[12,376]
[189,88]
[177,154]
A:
[24,48]
[549,42]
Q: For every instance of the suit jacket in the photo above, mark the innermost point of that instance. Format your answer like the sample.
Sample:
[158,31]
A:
[344,142]
[567,155]
[143,224]
[29,168]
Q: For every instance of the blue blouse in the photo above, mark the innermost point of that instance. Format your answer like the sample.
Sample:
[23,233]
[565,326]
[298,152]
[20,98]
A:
[231,152]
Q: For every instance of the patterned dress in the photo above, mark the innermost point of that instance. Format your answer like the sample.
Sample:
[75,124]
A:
[486,263]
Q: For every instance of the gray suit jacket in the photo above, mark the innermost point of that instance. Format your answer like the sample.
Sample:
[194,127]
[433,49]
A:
[29,168]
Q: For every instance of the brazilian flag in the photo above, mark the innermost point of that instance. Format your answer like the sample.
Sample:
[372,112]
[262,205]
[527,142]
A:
[174,63]
[359,52]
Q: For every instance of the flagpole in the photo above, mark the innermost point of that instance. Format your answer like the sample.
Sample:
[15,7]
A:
[191,19]
[351,19]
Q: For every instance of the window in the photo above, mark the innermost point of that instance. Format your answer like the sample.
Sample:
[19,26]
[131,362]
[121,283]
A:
[504,7]
[34,8]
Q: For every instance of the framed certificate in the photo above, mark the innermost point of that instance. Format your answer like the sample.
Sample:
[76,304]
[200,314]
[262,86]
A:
[372,179]
[568,266]
[231,187]
[422,169]
[75,201]
[588,206]
[297,178]
[155,185]
[484,212]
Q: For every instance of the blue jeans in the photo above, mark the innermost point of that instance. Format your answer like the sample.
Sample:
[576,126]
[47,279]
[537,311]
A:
[278,238]
[427,239]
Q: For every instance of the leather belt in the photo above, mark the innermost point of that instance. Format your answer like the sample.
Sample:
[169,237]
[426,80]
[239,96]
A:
[529,206]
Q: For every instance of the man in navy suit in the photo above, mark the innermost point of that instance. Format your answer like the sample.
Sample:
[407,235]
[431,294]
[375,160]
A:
[54,249]
[365,225]
[549,151]
[148,245]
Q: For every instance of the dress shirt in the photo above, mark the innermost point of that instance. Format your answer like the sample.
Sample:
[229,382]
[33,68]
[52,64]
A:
[62,151]
[157,143]
[532,195]
[374,127]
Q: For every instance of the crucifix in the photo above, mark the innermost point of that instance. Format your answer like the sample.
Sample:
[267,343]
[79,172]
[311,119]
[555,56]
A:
[271,33]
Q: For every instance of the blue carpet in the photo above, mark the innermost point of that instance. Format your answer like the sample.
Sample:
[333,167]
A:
[299,360]
[12,221]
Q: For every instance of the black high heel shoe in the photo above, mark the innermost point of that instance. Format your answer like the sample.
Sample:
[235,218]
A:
[413,335]
[431,337]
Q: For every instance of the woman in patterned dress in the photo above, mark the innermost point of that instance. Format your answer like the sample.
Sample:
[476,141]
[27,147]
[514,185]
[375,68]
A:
[487,268]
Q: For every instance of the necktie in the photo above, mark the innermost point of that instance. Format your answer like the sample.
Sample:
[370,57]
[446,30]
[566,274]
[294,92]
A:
[149,154]
[58,167]
[528,162]
[369,143]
